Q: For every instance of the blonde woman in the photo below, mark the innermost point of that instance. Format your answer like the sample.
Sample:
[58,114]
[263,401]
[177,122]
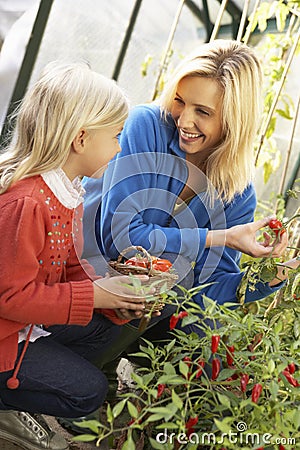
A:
[67,127]
[183,181]
[182,185]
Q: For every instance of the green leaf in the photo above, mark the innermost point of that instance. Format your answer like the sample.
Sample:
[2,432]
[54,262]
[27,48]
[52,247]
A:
[132,410]
[297,328]
[129,444]
[224,400]
[93,425]
[271,127]
[268,170]
[225,373]
[156,445]
[169,369]
[183,368]
[139,380]
[170,345]
[84,438]
[155,418]
[109,414]
[281,14]
[118,408]
[263,14]
[284,113]
[268,273]
[167,425]
[273,388]
[176,400]
[223,426]
[169,379]
[165,412]
[278,327]
[148,378]
[271,365]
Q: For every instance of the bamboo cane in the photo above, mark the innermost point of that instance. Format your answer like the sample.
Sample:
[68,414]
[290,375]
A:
[249,27]
[289,150]
[163,63]
[279,89]
[218,21]
[243,20]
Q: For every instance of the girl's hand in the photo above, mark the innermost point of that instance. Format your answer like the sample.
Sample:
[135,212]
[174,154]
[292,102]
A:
[243,238]
[112,293]
[128,314]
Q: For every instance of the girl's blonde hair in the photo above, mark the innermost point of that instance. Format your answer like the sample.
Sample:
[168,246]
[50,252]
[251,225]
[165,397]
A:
[66,98]
[236,68]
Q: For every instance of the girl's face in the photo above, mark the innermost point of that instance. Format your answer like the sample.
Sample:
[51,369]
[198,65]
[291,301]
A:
[196,110]
[100,147]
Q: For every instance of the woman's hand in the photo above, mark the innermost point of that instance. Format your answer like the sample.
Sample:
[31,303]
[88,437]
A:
[283,270]
[118,293]
[243,238]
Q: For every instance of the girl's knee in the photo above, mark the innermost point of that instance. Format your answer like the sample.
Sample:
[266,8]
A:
[90,396]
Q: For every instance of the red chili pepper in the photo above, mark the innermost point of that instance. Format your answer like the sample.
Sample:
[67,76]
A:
[191,422]
[216,365]
[201,364]
[163,265]
[160,390]
[176,317]
[229,354]
[187,360]
[173,321]
[290,378]
[291,368]
[276,226]
[137,261]
[182,314]
[281,447]
[256,391]
[244,382]
[190,425]
[215,339]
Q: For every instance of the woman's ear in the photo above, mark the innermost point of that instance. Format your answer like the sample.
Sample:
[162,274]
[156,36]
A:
[78,143]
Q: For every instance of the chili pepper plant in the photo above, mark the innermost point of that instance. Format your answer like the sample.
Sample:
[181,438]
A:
[184,399]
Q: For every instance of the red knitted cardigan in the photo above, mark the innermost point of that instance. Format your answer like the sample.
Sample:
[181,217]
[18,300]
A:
[42,280]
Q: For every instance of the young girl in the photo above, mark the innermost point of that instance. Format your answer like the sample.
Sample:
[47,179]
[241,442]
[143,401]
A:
[67,127]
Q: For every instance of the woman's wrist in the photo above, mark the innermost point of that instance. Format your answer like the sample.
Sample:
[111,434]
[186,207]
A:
[216,238]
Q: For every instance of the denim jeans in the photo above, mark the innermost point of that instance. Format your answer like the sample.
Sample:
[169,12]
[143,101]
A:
[57,375]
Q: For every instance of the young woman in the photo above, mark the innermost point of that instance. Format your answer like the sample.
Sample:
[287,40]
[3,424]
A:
[67,127]
[182,185]
[183,181]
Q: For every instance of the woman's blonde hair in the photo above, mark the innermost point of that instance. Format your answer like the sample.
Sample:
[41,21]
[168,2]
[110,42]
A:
[237,69]
[66,98]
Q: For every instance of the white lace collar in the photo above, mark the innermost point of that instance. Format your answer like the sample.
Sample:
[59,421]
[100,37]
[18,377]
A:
[69,193]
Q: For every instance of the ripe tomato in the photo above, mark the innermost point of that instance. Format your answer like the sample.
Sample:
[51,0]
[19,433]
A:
[138,262]
[161,264]
[276,226]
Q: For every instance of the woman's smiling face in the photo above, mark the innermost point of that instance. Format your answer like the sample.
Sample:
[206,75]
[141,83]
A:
[196,110]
